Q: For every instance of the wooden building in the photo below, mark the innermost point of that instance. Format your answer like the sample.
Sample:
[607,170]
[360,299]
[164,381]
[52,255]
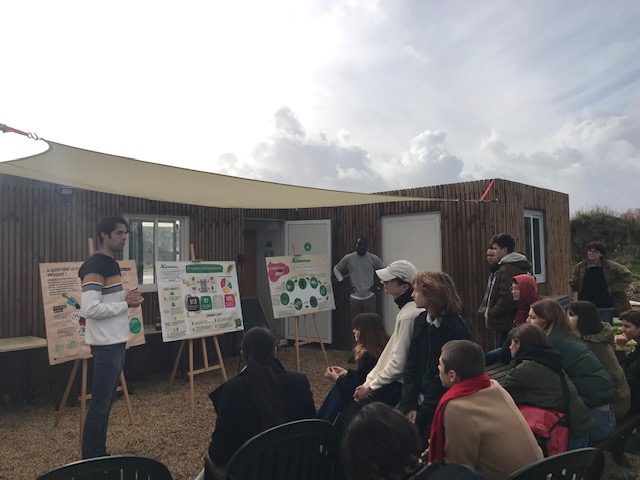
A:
[44,222]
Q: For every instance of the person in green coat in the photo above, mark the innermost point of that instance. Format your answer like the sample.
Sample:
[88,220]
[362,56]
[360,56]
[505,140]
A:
[585,322]
[536,378]
[593,383]
[631,328]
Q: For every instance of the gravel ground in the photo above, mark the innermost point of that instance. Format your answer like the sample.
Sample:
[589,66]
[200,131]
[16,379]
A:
[165,429]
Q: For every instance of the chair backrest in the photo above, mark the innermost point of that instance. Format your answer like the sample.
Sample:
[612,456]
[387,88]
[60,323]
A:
[304,449]
[122,467]
[581,464]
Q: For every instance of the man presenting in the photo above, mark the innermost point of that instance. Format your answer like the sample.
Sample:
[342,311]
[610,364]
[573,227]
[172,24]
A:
[477,422]
[360,267]
[105,307]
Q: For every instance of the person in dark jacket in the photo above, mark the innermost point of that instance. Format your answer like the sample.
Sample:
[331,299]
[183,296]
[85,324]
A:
[631,328]
[501,305]
[370,340]
[440,323]
[262,396]
[585,322]
[593,383]
[536,378]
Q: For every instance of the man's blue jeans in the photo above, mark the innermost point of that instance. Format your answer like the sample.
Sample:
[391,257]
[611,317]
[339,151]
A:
[108,361]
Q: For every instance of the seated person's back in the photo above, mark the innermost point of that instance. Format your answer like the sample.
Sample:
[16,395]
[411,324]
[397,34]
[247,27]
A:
[262,396]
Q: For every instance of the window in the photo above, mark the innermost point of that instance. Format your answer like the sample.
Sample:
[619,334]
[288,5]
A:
[534,242]
[154,239]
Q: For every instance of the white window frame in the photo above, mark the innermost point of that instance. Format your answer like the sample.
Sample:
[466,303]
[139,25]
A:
[184,241]
[541,276]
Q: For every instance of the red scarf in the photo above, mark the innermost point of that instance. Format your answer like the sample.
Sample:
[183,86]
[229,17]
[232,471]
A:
[461,389]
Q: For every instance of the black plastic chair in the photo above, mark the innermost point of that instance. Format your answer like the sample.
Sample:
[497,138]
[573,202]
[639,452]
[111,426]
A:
[581,464]
[120,467]
[304,449]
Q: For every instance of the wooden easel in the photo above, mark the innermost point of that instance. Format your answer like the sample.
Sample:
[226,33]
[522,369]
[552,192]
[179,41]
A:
[206,368]
[84,396]
[316,339]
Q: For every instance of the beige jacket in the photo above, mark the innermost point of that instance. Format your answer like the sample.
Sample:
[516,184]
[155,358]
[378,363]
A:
[486,431]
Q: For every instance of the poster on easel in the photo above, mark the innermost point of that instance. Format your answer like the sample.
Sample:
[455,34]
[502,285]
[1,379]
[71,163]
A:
[299,285]
[64,325]
[198,299]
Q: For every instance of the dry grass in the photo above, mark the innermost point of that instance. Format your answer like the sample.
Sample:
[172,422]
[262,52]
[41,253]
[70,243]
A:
[165,428]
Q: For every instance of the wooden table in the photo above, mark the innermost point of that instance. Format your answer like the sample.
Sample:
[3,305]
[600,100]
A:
[17,344]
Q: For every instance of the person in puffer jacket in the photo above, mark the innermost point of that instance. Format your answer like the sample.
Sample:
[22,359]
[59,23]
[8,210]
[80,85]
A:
[501,305]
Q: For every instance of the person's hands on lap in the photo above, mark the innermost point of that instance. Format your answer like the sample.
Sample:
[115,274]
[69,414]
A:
[361,392]
[411,416]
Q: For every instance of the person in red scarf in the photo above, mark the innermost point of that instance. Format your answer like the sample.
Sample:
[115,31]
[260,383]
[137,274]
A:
[476,422]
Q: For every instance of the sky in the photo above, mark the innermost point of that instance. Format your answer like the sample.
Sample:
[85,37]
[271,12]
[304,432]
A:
[351,95]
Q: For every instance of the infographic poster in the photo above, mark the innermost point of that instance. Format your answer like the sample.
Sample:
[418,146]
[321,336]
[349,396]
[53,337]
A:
[299,285]
[198,299]
[64,325]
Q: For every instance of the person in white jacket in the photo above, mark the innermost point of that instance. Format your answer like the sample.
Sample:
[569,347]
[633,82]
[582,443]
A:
[105,307]
[384,382]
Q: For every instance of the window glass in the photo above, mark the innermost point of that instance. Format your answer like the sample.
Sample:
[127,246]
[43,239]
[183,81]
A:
[534,242]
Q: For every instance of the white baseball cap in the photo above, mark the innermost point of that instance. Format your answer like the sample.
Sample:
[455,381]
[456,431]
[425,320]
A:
[400,269]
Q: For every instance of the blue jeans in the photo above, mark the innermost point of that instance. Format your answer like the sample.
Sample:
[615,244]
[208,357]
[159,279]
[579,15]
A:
[333,404]
[108,361]
[604,421]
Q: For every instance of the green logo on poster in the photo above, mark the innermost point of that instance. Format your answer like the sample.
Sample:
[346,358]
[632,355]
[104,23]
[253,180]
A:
[205,302]
[307,247]
[134,325]
[302,283]
[297,303]
[238,322]
[284,299]
[313,282]
[313,301]
[323,290]
[290,285]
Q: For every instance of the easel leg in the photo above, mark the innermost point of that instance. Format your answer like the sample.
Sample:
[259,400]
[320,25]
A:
[217,345]
[67,390]
[191,374]
[297,343]
[324,352]
[177,362]
[125,392]
[205,355]
[83,397]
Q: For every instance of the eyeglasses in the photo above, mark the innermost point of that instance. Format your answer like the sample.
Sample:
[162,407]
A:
[592,250]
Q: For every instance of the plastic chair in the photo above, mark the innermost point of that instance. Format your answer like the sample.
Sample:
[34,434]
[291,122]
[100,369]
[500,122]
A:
[120,467]
[581,464]
[304,449]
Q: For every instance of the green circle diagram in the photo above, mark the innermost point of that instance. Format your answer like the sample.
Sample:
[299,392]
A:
[313,282]
[284,299]
[134,325]
[297,303]
[302,284]
[323,290]
[313,301]
[307,247]
[290,285]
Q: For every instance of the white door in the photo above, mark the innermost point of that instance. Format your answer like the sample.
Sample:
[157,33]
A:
[311,237]
[415,238]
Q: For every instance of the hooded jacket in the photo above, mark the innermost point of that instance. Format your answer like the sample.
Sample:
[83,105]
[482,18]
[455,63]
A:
[534,379]
[528,295]
[502,306]
[601,344]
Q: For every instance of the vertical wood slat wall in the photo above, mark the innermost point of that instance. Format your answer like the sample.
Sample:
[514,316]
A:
[39,224]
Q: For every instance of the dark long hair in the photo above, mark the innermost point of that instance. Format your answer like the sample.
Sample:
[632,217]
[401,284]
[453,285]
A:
[380,444]
[373,337]
[258,350]
[588,319]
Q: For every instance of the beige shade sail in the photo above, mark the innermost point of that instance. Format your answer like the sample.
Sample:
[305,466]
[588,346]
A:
[76,167]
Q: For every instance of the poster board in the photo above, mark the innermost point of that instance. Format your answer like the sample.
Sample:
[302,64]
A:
[198,299]
[65,327]
[299,285]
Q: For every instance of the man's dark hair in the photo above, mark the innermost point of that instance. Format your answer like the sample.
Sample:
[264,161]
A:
[380,443]
[108,225]
[504,240]
[362,240]
[599,246]
[529,336]
[464,357]
[631,316]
